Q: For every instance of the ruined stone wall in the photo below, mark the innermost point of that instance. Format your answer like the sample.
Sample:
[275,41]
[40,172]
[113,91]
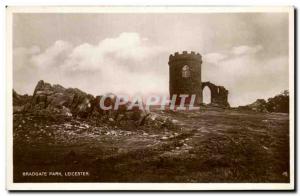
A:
[219,95]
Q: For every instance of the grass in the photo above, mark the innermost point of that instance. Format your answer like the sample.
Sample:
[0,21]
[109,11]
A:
[205,146]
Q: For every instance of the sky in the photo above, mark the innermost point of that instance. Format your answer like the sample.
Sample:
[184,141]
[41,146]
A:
[247,53]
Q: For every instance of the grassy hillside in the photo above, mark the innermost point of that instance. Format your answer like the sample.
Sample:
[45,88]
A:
[211,145]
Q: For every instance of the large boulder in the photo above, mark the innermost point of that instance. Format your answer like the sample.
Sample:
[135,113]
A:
[125,116]
[57,98]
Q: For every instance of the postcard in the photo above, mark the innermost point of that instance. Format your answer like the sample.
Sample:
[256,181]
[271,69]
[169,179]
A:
[150,98]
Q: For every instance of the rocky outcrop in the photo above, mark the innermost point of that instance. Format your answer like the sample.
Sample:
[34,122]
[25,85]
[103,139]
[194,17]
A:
[21,103]
[19,100]
[56,98]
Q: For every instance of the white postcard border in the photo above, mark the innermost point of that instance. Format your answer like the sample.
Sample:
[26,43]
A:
[10,185]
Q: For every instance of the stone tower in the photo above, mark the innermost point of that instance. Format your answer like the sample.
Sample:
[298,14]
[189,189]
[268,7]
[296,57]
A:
[185,76]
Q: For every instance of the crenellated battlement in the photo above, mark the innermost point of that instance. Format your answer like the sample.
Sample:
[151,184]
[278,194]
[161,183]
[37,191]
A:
[185,56]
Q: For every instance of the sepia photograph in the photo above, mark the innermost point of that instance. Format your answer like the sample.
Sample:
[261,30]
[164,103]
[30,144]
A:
[150,98]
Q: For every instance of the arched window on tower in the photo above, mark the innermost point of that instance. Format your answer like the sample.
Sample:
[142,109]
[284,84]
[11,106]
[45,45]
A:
[186,72]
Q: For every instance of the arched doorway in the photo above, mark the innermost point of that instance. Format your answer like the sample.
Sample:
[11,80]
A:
[206,95]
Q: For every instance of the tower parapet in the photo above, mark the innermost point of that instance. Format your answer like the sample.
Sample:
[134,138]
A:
[185,56]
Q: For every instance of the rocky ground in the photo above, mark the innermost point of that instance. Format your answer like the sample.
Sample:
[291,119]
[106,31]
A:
[210,145]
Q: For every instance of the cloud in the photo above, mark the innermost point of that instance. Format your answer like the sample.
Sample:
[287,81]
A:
[87,57]
[214,58]
[132,54]
[245,50]
[52,55]
[23,69]
[21,56]
[127,64]
[247,74]
[118,64]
